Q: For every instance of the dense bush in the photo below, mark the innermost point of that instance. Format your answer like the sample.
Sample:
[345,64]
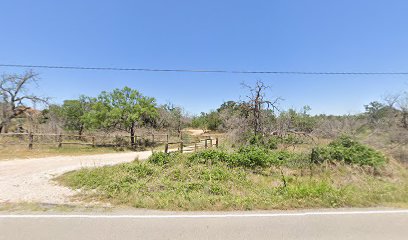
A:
[251,156]
[350,151]
[210,156]
[248,157]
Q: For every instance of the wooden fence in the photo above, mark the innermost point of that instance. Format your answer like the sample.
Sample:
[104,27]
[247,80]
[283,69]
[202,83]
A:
[202,143]
[147,140]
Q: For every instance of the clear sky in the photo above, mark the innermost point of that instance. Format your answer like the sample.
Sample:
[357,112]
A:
[270,35]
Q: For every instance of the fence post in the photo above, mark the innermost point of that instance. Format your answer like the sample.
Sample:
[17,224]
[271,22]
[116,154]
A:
[152,144]
[167,137]
[181,147]
[60,140]
[195,147]
[216,142]
[205,144]
[30,140]
[166,148]
[93,141]
[211,143]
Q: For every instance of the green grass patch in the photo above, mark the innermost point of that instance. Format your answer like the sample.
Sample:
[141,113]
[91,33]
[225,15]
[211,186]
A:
[347,150]
[215,180]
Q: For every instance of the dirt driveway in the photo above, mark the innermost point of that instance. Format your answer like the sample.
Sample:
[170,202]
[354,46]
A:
[28,180]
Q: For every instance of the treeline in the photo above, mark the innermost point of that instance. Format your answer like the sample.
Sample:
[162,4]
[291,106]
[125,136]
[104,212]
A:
[256,120]
[120,110]
[123,110]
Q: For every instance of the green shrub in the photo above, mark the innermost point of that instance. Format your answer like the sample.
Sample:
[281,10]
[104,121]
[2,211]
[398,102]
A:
[247,157]
[273,143]
[252,156]
[349,151]
[161,158]
[256,140]
[209,156]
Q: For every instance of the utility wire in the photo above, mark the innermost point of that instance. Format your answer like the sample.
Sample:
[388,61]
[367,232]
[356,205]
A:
[199,71]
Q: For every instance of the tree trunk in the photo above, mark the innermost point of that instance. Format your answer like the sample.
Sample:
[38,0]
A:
[132,134]
[405,120]
[80,131]
[3,127]
[257,116]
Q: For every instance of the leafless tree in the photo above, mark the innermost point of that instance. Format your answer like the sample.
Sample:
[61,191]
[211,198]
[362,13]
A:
[172,117]
[332,127]
[258,105]
[391,99]
[16,96]
[403,106]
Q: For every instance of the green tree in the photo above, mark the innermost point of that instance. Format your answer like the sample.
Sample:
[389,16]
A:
[207,121]
[299,121]
[122,109]
[375,111]
[72,112]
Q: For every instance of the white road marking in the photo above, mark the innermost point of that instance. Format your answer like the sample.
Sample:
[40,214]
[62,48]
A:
[249,215]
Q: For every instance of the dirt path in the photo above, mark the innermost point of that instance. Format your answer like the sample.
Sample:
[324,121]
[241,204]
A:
[28,180]
[195,132]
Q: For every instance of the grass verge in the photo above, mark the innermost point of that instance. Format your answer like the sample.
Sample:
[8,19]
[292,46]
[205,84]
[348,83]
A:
[181,182]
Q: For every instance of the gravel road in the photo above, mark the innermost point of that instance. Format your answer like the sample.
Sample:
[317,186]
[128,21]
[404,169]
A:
[29,180]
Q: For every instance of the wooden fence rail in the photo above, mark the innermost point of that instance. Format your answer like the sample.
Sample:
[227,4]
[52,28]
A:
[29,139]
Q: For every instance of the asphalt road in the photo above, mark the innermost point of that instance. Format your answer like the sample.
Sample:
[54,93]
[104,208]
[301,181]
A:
[341,224]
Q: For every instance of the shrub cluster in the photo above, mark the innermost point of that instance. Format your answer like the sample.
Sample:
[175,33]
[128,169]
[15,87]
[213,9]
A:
[249,157]
[349,151]
[161,158]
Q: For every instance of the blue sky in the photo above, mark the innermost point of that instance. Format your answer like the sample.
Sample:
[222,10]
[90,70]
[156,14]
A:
[313,35]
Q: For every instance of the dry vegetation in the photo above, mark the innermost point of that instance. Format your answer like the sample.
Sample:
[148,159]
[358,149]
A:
[22,152]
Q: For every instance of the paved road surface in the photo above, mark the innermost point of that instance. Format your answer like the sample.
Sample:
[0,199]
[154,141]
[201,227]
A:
[360,224]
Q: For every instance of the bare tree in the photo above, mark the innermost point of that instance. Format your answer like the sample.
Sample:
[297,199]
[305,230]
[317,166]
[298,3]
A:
[334,126]
[391,99]
[171,117]
[16,95]
[403,106]
[258,105]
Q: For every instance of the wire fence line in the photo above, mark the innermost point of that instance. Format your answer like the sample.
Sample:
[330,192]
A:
[186,70]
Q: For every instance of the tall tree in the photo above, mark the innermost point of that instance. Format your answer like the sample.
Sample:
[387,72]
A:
[258,105]
[16,96]
[72,112]
[122,109]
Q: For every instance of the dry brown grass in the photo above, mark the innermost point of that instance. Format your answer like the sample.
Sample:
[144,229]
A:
[22,152]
